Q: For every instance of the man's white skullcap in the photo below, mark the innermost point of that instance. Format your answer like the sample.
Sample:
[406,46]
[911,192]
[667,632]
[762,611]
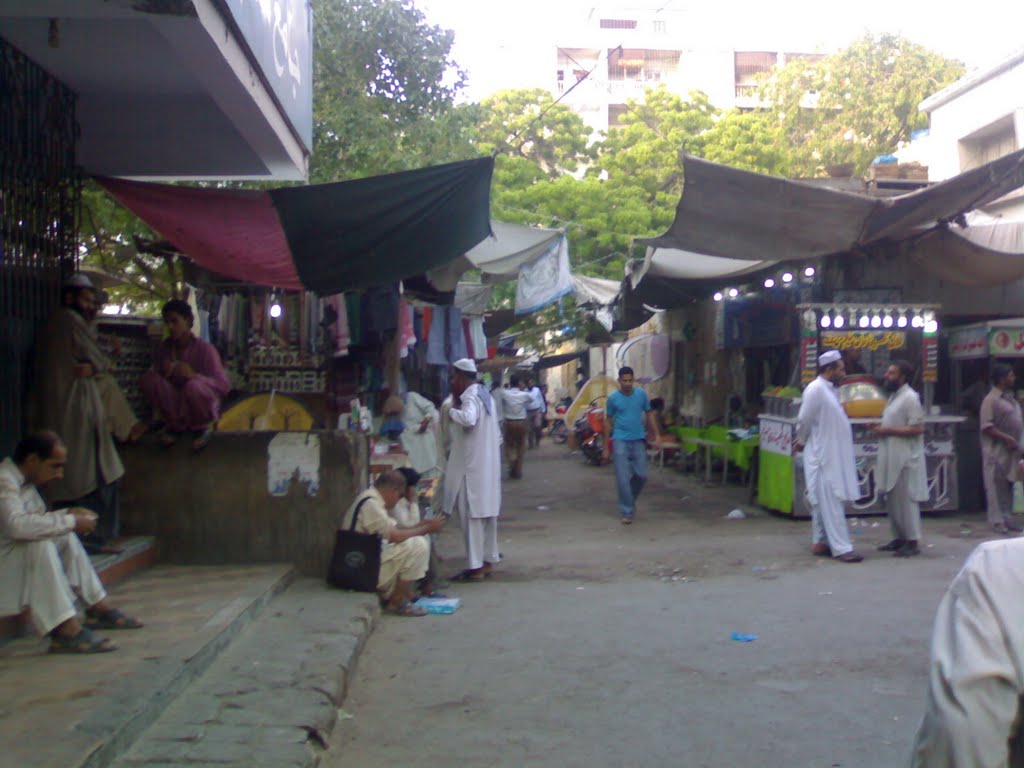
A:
[79,280]
[827,358]
[466,365]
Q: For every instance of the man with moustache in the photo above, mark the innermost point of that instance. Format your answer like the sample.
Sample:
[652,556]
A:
[1001,426]
[830,472]
[900,469]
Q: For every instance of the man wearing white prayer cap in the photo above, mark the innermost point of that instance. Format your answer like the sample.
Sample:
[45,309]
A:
[472,482]
[830,471]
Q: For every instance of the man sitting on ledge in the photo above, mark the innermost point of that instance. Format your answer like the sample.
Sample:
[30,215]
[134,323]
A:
[42,563]
[405,549]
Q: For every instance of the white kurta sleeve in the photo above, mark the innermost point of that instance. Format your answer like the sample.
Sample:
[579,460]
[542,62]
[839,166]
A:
[468,414]
[19,523]
[810,412]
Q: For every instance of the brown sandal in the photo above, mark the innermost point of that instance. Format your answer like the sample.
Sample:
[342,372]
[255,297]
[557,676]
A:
[84,642]
[850,557]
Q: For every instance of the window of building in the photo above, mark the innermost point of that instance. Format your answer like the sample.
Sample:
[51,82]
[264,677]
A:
[616,113]
[989,143]
[659,27]
[618,23]
[644,65]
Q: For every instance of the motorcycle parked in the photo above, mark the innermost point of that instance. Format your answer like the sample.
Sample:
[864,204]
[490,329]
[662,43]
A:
[589,430]
[559,430]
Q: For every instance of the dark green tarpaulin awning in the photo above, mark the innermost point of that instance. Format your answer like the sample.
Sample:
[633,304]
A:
[326,238]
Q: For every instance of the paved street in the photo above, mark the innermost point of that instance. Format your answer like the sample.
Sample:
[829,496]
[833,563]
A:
[602,645]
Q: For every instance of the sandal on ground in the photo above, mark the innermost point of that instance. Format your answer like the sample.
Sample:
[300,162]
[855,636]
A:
[468,576]
[1002,528]
[202,440]
[893,546]
[112,619]
[627,519]
[907,550]
[821,550]
[166,439]
[84,642]
[408,609]
[850,557]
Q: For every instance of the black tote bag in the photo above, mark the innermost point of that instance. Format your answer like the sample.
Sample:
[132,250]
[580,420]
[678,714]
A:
[355,563]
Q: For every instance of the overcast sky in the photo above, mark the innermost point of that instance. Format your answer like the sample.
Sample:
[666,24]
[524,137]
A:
[510,43]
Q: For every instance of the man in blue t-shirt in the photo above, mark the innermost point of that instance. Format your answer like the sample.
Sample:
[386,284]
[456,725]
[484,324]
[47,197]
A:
[625,414]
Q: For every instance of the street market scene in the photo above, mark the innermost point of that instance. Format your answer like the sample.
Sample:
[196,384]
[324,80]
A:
[384,386]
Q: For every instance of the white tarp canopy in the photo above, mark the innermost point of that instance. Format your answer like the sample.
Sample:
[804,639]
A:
[499,257]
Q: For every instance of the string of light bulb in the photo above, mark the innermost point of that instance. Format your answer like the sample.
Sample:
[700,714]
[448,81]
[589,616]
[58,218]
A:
[784,280]
[873,316]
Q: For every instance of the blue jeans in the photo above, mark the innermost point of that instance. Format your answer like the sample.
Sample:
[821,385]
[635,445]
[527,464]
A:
[630,458]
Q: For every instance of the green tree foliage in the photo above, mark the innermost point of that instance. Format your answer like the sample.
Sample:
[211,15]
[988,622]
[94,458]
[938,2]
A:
[384,91]
[856,104]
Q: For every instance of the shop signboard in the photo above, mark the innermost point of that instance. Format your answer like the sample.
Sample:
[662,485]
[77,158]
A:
[869,341]
[967,343]
[776,437]
[280,35]
[1006,342]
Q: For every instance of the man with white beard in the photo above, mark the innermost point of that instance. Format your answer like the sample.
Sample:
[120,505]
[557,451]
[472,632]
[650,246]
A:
[472,482]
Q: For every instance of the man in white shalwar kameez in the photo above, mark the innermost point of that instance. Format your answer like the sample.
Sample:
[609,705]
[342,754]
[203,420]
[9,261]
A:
[472,483]
[830,471]
[900,473]
[43,566]
[973,717]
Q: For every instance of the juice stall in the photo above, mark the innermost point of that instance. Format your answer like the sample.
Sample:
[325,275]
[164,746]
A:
[877,335]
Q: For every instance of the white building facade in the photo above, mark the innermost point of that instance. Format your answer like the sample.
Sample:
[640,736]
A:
[619,52]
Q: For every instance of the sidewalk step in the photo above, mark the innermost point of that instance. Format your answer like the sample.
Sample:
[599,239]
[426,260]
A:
[83,711]
[139,553]
[272,698]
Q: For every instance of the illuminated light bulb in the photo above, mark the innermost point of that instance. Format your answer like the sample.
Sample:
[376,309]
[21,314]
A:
[916,322]
[719,296]
[931,326]
[863,322]
[275,310]
[887,320]
[809,272]
[876,321]
[901,321]
[769,283]
[787,277]
[839,322]
[826,320]
[733,293]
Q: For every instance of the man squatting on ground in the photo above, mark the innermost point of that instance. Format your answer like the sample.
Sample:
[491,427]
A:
[900,470]
[626,412]
[43,566]
[405,549]
[824,433]
[472,483]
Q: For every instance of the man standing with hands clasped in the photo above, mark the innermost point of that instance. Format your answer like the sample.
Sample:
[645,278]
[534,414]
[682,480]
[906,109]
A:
[900,473]
[626,412]
[830,472]
[1001,426]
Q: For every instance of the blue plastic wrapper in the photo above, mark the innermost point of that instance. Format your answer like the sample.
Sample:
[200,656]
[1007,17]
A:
[439,605]
[741,638]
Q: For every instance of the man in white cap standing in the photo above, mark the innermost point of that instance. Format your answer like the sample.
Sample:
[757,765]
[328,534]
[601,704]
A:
[472,482]
[830,471]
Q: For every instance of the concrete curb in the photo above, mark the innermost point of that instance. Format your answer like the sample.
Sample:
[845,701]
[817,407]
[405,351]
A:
[139,702]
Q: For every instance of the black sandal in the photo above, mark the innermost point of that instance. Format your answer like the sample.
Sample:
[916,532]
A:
[112,619]
[84,642]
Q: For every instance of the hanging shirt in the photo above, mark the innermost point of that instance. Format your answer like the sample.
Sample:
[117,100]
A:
[824,429]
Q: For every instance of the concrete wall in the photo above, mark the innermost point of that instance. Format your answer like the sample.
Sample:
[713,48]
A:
[215,507]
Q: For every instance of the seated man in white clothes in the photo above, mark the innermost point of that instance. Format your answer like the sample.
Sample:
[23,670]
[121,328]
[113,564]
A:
[43,566]
[405,550]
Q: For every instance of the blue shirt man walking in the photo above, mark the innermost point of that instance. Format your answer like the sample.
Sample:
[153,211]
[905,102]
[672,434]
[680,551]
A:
[626,412]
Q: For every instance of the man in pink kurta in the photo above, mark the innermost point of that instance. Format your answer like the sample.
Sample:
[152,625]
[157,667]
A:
[187,380]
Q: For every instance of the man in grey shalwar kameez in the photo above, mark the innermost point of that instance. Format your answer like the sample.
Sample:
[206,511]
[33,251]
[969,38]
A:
[976,673]
[900,470]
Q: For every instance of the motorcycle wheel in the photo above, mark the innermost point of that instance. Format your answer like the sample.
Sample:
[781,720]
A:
[559,433]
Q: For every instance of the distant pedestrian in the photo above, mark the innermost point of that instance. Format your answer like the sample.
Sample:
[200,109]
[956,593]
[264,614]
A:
[626,413]
[514,404]
[900,469]
[1001,425]
[830,472]
[535,413]
[472,482]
